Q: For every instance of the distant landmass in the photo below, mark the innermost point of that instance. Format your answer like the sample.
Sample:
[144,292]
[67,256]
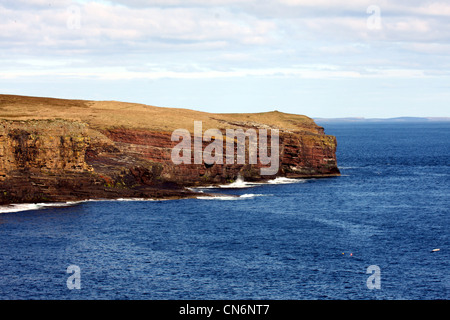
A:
[397,119]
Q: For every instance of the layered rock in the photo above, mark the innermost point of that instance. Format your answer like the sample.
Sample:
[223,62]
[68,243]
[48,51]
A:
[77,158]
[302,155]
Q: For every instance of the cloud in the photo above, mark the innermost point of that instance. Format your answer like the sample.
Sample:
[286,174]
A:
[220,38]
[91,26]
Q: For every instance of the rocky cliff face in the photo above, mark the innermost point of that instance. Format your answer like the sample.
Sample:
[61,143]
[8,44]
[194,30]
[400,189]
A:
[61,160]
[302,154]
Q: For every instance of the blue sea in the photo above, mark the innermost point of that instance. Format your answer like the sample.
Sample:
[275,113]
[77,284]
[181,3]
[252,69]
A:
[285,240]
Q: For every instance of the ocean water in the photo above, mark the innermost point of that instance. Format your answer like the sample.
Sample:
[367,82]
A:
[284,240]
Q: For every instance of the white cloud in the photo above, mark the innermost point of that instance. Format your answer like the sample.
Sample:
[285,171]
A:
[222,37]
[127,28]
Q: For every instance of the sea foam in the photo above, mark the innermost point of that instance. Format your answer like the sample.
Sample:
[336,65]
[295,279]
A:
[223,197]
[241,184]
[34,206]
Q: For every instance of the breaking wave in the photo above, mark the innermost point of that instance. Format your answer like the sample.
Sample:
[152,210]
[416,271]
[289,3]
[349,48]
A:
[34,206]
[38,206]
[222,197]
[284,180]
[241,184]
[135,199]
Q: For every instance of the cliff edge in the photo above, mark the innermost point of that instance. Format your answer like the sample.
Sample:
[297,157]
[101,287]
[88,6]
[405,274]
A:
[66,150]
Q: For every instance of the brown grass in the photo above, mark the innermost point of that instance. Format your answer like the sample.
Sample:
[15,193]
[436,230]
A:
[110,114]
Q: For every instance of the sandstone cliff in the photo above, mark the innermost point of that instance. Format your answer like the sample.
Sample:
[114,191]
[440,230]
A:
[59,150]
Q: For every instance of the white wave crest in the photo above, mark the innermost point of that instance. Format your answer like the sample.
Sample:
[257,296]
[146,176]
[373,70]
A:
[284,180]
[252,195]
[241,184]
[222,197]
[34,206]
[134,199]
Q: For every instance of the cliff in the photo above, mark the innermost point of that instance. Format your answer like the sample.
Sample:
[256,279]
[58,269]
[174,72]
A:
[60,150]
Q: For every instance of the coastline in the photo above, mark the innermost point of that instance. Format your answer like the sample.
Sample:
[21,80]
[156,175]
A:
[77,150]
[195,192]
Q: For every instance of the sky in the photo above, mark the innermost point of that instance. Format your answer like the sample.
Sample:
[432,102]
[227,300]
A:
[322,58]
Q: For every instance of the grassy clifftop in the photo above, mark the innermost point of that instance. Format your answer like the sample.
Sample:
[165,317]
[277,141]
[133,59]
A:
[111,114]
